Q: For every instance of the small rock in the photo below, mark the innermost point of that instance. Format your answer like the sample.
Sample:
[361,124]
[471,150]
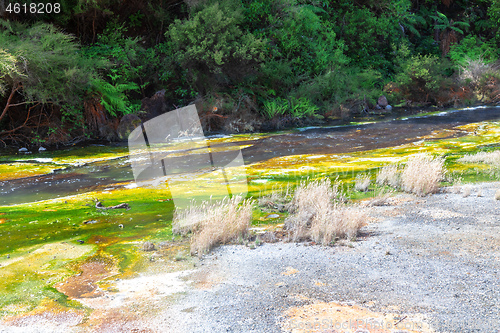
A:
[148,246]
[80,241]
[382,101]
[23,150]
[388,108]
[41,149]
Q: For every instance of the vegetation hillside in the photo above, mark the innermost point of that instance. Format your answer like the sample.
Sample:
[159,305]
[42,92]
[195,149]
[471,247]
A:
[69,71]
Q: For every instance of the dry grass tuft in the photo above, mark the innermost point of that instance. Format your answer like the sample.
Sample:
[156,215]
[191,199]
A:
[380,199]
[362,182]
[316,216]
[278,199]
[473,70]
[389,175]
[422,174]
[466,191]
[497,195]
[214,223]
[491,158]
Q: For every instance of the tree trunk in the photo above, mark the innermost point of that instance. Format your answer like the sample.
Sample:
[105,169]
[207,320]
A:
[15,88]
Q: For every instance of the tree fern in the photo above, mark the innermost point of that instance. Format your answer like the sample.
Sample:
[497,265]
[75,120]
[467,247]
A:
[113,97]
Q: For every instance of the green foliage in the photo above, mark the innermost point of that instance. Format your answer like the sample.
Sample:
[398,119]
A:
[298,56]
[211,45]
[46,62]
[11,69]
[123,56]
[348,85]
[274,108]
[306,41]
[302,107]
[406,19]
[420,77]
[471,47]
[443,23]
[113,97]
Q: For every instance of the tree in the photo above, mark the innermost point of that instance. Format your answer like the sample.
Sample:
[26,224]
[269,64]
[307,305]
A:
[213,48]
[448,29]
[41,67]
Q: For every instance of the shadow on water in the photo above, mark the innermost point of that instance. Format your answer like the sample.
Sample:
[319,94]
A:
[345,139]
[72,180]
[328,140]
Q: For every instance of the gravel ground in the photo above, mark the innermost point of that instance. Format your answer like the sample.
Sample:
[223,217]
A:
[437,257]
[433,262]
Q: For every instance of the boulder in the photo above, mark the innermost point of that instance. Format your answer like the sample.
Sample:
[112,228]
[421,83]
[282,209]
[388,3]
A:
[107,132]
[155,105]
[127,124]
[382,101]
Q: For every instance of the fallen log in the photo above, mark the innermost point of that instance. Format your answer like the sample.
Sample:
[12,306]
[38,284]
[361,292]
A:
[99,205]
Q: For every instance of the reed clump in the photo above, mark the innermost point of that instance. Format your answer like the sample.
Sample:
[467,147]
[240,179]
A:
[318,214]
[214,223]
[422,174]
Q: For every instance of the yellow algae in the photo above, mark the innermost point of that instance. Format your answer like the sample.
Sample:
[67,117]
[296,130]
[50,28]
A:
[35,259]
[21,170]
[48,313]
[31,271]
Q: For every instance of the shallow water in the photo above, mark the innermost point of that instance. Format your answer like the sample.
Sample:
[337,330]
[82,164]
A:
[98,168]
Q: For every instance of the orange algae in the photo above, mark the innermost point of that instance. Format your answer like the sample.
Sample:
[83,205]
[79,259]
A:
[334,317]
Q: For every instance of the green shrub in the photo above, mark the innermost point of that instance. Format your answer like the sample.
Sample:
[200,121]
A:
[45,65]
[213,48]
[472,48]
[340,86]
[421,77]
[302,107]
[275,107]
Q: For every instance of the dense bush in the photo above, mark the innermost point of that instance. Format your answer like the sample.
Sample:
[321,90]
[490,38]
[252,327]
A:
[420,78]
[213,49]
[243,61]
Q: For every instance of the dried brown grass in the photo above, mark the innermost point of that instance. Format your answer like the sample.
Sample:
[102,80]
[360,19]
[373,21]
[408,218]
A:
[278,198]
[362,182]
[214,223]
[497,195]
[491,158]
[389,175]
[318,215]
[422,174]
[466,191]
